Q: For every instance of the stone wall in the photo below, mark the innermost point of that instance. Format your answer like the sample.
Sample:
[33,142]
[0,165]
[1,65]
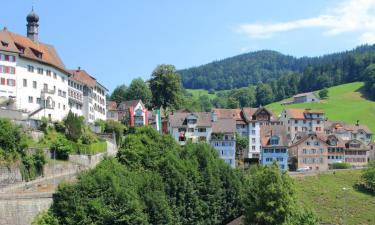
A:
[22,209]
[9,176]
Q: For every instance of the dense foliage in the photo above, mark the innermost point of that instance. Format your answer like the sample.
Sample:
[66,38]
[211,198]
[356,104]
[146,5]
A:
[271,199]
[138,89]
[13,150]
[74,126]
[165,85]
[285,75]
[153,181]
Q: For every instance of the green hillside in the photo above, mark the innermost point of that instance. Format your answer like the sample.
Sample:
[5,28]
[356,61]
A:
[200,92]
[345,102]
[325,195]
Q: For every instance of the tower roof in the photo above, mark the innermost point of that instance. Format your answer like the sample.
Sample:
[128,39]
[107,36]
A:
[32,17]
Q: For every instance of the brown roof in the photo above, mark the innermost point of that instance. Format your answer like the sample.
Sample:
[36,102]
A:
[111,106]
[305,136]
[300,113]
[127,104]
[274,130]
[356,128]
[49,54]
[228,113]
[326,137]
[250,112]
[224,126]
[179,119]
[83,77]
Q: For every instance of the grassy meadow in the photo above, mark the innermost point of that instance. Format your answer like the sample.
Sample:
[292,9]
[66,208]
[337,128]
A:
[345,102]
[324,194]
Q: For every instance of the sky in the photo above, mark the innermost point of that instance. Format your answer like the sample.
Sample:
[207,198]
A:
[119,40]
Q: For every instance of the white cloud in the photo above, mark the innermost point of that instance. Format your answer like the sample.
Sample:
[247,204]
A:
[348,16]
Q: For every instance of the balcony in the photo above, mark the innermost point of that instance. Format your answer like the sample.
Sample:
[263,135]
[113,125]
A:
[48,91]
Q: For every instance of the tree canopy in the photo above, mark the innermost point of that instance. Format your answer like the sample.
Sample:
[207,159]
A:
[165,85]
[138,89]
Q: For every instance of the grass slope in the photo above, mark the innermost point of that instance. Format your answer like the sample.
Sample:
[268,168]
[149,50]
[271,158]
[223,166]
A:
[200,92]
[345,102]
[324,194]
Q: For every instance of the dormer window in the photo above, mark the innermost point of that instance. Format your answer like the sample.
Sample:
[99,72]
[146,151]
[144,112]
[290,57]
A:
[4,44]
[37,53]
[20,48]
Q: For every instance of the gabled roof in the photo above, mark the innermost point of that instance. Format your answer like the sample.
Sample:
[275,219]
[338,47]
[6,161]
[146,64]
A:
[179,119]
[305,136]
[304,94]
[300,113]
[83,77]
[361,147]
[224,126]
[266,132]
[127,104]
[357,128]
[111,105]
[49,55]
[228,113]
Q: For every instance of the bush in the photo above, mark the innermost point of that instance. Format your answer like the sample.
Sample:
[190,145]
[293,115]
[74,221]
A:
[368,177]
[337,166]
[59,127]
[323,93]
[88,138]
[61,147]
[43,124]
[74,126]
[116,127]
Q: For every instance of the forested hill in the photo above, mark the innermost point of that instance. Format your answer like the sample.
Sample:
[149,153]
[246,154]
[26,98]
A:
[265,66]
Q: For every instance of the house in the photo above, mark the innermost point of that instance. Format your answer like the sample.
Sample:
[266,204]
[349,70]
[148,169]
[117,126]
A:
[305,97]
[308,150]
[193,127]
[274,144]
[356,153]
[223,139]
[248,122]
[302,120]
[132,113]
[335,148]
[348,132]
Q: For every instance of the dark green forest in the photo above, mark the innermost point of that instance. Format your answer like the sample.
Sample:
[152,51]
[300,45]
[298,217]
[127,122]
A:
[277,76]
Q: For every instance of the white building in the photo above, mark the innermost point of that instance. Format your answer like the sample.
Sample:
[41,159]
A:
[33,78]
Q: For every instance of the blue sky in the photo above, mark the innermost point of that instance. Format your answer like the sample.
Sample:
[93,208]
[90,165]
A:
[119,40]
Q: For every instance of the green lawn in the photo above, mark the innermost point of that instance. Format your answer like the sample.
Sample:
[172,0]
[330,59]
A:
[325,195]
[345,102]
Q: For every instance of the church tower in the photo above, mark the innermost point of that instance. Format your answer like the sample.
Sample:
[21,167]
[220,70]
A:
[32,26]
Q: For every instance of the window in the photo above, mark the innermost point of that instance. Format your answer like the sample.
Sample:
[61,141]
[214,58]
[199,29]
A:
[30,99]
[34,84]
[24,82]
[45,87]
[252,140]
[253,148]
[296,121]
[201,130]
[7,69]
[11,82]
[38,100]
[253,132]
[48,72]
[54,75]
[318,128]
[30,69]
[2,81]
[63,79]
[295,128]
[181,129]
[190,129]
[40,71]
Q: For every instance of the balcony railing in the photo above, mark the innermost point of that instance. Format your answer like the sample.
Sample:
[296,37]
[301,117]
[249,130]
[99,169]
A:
[48,91]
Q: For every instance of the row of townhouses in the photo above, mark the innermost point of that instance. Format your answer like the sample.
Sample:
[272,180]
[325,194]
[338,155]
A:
[35,81]
[298,139]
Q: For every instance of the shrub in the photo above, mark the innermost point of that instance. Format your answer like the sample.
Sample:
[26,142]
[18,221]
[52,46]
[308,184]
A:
[88,138]
[323,93]
[62,147]
[43,124]
[368,177]
[74,126]
[59,127]
[341,166]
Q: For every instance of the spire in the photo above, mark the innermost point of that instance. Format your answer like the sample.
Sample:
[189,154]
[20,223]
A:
[32,25]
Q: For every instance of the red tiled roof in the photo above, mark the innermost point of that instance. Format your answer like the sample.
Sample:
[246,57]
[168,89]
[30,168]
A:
[111,105]
[179,119]
[83,77]
[228,113]
[49,54]
[224,126]
[300,113]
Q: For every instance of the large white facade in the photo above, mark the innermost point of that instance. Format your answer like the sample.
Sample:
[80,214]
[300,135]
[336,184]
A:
[34,80]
